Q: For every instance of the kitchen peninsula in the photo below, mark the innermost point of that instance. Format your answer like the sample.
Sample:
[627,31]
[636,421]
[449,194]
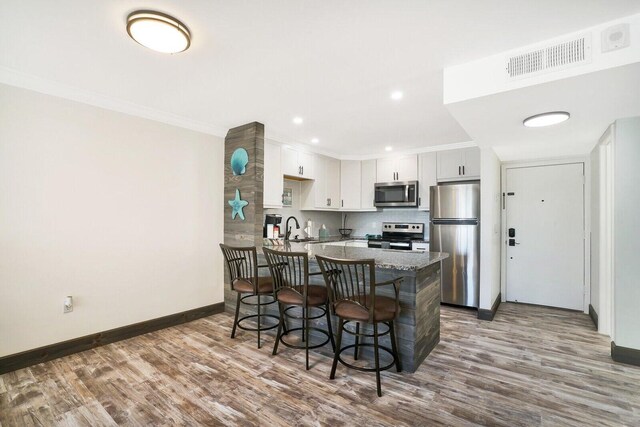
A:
[418,327]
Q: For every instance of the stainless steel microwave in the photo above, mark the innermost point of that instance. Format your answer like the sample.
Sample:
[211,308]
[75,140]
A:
[396,194]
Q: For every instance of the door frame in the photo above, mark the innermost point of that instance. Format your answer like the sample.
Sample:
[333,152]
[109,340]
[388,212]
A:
[606,278]
[586,202]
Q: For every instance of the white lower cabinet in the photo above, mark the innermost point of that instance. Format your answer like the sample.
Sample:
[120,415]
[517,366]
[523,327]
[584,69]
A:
[420,246]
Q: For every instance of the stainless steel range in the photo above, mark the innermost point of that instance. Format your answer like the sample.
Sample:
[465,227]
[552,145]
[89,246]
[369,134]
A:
[396,235]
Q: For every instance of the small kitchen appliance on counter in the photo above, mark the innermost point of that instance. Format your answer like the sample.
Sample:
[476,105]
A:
[271,228]
[397,235]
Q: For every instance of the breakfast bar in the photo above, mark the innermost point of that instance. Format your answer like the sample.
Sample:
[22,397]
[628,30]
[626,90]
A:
[418,327]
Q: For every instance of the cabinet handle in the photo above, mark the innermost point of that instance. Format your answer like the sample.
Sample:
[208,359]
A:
[459,170]
[302,169]
[342,203]
[419,201]
[462,170]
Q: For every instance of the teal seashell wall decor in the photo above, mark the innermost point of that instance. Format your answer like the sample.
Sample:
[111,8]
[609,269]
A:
[239,161]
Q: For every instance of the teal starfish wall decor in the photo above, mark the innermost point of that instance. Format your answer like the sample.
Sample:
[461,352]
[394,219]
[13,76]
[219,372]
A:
[238,204]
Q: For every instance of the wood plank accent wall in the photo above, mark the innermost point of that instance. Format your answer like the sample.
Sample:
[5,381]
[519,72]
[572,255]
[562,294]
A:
[251,185]
[236,231]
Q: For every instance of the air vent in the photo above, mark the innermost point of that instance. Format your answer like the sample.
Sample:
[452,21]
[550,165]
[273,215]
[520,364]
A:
[551,58]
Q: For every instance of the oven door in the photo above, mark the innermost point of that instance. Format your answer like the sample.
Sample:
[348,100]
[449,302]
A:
[396,194]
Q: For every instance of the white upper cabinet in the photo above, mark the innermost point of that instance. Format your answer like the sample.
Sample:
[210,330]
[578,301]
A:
[368,182]
[324,192]
[459,165]
[407,168]
[273,180]
[297,163]
[403,168]
[350,184]
[427,176]
[357,181]
[386,170]
[472,163]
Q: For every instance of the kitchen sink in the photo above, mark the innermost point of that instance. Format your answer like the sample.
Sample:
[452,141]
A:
[307,239]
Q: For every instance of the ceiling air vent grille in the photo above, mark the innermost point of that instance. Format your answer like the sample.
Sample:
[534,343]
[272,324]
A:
[551,58]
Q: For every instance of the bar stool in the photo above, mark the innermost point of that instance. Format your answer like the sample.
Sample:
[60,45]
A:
[291,288]
[351,301]
[242,263]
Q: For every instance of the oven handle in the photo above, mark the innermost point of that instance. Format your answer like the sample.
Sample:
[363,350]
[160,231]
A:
[400,244]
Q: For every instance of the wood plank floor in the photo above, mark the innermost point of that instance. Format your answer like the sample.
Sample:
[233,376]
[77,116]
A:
[531,366]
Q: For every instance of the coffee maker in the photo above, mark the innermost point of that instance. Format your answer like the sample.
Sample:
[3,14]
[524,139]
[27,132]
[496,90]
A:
[271,228]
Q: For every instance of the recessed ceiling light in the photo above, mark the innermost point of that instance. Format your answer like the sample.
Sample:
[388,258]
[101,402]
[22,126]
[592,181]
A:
[396,95]
[546,119]
[314,140]
[297,120]
[158,31]
[388,148]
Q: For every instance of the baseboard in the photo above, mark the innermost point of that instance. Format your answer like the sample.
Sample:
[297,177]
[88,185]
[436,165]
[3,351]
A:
[627,355]
[21,360]
[484,314]
[593,315]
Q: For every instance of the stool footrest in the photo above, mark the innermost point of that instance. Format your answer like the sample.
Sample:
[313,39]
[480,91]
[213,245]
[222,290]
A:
[363,368]
[302,346]
[260,327]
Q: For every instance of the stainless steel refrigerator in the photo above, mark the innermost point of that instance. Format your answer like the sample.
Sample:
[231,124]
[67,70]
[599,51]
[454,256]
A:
[454,228]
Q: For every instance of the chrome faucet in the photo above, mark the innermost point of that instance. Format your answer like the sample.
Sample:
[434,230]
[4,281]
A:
[287,233]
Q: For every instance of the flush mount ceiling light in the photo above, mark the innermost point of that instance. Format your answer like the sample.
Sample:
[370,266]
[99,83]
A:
[297,120]
[314,140]
[546,119]
[396,95]
[158,31]
[388,148]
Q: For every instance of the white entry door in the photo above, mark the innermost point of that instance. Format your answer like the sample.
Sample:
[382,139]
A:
[545,235]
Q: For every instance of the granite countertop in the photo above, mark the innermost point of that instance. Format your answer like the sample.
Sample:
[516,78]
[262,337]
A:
[384,258]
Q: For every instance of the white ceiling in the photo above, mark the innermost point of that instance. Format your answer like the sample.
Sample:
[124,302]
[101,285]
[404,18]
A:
[332,62]
[595,100]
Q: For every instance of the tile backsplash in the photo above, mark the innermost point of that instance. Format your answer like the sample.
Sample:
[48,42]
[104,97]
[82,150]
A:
[371,222]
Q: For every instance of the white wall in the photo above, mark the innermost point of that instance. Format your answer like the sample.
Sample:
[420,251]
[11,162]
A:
[627,233]
[490,210]
[121,212]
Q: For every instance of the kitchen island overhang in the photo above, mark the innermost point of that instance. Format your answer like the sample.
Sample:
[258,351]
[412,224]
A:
[418,326]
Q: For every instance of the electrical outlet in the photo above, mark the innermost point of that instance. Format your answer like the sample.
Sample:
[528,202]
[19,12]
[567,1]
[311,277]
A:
[68,305]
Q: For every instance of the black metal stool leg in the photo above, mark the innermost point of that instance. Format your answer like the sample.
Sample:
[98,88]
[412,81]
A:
[375,347]
[235,320]
[394,346]
[258,320]
[306,335]
[278,334]
[304,325]
[329,328]
[336,353]
[355,349]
